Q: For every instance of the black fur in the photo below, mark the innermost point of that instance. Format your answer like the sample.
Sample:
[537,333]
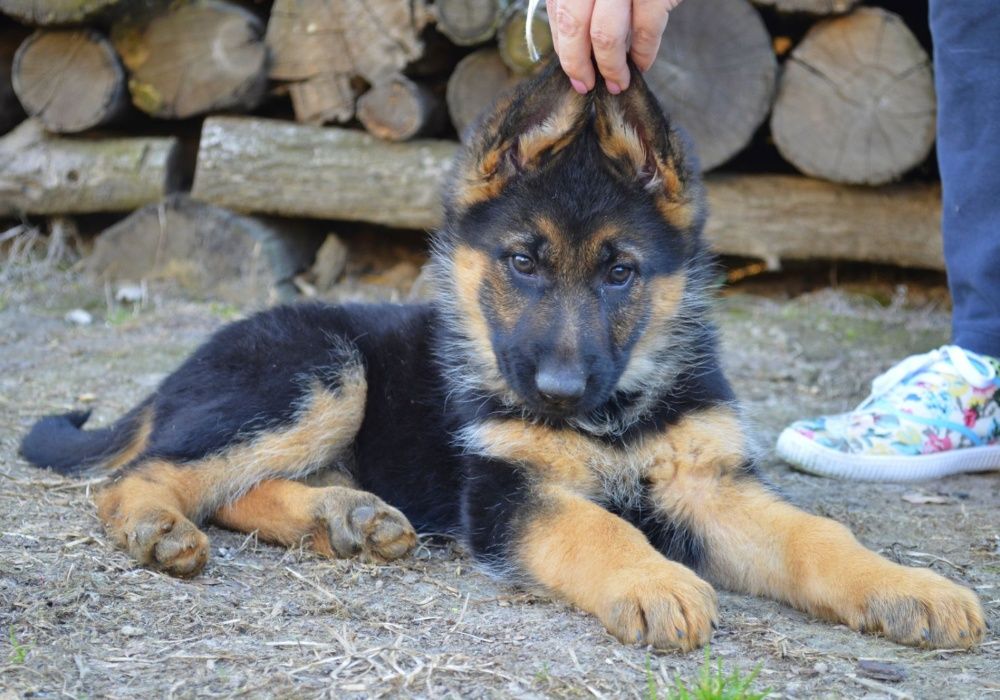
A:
[250,377]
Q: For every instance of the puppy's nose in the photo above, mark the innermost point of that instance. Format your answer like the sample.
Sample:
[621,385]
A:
[560,385]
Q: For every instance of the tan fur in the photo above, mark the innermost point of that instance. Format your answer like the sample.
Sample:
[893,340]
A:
[470,267]
[665,296]
[606,566]
[288,512]
[756,543]
[136,446]
[158,500]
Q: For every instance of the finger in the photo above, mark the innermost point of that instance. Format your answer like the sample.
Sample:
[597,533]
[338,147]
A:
[609,27]
[550,10]
[649,19]
[572,21]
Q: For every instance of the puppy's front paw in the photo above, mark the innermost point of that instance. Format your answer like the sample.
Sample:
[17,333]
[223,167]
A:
[666,605]
[921,608]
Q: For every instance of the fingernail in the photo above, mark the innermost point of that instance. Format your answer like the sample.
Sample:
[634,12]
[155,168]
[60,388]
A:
[578,86]
[613,88]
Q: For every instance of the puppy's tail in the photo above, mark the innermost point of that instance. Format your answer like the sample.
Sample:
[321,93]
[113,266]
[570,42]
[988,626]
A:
[61,444]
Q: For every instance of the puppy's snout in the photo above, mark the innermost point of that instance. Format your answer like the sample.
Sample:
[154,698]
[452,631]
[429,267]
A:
[560,385]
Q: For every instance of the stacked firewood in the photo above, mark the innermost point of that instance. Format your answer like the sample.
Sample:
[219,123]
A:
[351,110]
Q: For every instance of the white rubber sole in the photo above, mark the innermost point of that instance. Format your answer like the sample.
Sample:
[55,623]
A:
[805,455]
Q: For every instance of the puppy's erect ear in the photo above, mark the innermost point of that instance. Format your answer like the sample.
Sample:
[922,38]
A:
[634,134]
[522,131]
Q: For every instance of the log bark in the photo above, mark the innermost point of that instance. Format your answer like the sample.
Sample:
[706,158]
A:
[11,113]
[72,80]
[321,46]
[194,58]
[43,174]
[58,12]
[263,166]
[400,109]
[715,75]
[473,86]
[268,166]
[469,22]
[511,41]
[811,7]
[856,100]
[208,251]
[777,217]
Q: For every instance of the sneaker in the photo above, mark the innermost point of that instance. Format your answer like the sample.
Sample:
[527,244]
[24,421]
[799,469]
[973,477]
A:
[929,416]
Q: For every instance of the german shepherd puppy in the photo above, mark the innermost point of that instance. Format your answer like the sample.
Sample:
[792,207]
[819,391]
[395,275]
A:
[560,406]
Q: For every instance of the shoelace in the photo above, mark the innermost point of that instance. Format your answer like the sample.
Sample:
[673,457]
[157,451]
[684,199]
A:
[976,372]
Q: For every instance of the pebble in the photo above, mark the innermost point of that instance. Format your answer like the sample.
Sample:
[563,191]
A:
[79,317]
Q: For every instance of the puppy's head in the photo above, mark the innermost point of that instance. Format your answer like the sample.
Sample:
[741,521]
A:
[565,262]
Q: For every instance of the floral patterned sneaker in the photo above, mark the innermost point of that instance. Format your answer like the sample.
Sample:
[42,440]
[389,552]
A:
[929,416]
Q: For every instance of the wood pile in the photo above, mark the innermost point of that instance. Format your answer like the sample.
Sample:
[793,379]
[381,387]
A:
[351,109]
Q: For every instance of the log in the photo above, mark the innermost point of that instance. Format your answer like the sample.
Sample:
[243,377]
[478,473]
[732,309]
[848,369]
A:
[810,7]
[71,79]
[715,75]
[208,251]
[320,46]
[58,12]
[469,22]
[511,41]
[43,174]
[776,217]
[476,82]
[856,100]
[400,109]
[11,113]
[276,167]
[177,72]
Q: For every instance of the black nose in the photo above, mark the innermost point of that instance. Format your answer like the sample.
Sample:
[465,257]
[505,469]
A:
[560,385]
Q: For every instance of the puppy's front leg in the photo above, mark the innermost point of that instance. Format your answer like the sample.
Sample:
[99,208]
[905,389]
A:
[756,543]
[578,551]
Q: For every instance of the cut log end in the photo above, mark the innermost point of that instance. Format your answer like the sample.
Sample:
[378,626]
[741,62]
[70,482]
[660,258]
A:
[512,42]
[474,85]
[11,113]
[715,75]
[856,101]
[178,73]
[469,22]
[71,80]
[58,12]
[399,109]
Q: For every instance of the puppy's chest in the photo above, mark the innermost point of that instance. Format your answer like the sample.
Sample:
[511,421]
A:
[615,474]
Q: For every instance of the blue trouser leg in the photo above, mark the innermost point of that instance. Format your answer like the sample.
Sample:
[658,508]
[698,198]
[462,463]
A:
[967,74]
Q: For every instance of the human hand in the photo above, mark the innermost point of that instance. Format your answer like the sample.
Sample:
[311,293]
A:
[606,28]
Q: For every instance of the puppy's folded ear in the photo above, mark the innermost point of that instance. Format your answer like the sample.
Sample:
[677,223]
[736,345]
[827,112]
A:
[643,148]
[522,131]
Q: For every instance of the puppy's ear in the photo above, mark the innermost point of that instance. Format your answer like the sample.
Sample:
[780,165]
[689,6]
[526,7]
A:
[522,131]
[642,147]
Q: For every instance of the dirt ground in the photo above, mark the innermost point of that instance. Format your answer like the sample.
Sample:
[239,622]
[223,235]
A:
[79,620]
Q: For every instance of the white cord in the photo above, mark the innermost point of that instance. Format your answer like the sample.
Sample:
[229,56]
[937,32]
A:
[529,34]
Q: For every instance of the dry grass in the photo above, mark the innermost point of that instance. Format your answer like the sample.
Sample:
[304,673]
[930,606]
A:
[78,619]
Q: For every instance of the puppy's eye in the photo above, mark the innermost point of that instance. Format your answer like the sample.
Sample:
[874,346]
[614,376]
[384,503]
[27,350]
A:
[619,275]
[522,264]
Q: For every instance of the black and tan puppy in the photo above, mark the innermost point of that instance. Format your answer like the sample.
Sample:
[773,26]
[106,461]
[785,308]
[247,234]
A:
[560,407]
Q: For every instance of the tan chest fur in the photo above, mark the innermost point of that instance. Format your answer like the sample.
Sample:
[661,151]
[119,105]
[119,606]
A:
[705,445]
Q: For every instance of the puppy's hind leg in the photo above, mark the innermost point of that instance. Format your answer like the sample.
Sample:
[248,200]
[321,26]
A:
[338,521]
[152,509]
